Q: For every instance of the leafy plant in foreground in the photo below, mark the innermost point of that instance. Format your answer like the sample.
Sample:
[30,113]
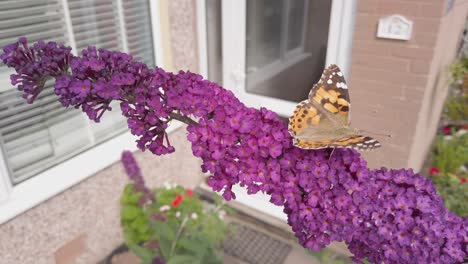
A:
[169,224]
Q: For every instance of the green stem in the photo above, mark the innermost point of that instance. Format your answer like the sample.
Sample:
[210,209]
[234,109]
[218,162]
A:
[179,232]
[184,119]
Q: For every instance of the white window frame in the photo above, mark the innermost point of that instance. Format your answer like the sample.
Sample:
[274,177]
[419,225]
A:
[339,45]
[18,198]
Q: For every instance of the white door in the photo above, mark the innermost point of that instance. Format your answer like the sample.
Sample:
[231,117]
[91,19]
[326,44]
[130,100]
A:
[273,51]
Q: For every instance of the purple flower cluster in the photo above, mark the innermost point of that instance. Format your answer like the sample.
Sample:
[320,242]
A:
[391,216]
[96,78]
[35,65]
[146,109]
[131,167]
[134,174]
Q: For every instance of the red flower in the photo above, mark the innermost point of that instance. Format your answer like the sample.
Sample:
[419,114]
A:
[189,192]
[179,198]
[447,130]
[463,180]
[433,171]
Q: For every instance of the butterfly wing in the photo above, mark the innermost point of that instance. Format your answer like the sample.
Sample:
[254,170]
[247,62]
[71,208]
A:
[310,127]
[331,96]
[358,142]
[323,120]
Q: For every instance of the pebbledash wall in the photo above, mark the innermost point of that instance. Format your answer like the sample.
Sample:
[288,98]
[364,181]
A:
[397,88]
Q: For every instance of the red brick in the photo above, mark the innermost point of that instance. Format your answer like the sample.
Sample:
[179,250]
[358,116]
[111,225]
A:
[390,77]
[366,26]
[379,62]
[366,6]
[420,66]
[373,85]
[389,155]
[366,20]
[441,2]
[413,52]
[387,7]
[365,34]
[427,25]
[431,10]
[372,47]
[379,99]
[424,39]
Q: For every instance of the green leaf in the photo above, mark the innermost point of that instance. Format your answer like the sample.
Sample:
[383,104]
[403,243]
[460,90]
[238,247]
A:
[181,259]
[165,246]
[140,224]
[164,230]
[130,212]
[195,246]
[145,255]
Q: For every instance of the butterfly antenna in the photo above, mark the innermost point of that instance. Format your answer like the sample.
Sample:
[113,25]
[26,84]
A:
[377,134]
[331,154]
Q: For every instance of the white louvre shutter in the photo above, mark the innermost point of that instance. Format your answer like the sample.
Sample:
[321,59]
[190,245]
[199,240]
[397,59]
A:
[97,22]
[138,30]
[37,19]
[36,136]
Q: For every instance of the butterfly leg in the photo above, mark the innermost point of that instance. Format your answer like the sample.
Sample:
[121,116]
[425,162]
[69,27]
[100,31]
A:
[331,154]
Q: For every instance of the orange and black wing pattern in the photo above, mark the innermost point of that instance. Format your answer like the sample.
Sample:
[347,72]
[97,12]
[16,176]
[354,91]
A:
[331,93]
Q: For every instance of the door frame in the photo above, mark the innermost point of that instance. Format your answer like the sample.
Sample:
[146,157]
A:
[339,45]
[234,49]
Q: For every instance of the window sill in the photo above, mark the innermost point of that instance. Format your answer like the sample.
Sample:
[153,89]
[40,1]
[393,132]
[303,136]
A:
[34,191]
[260,202]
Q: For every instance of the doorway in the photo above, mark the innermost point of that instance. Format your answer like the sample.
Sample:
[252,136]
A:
[271,52]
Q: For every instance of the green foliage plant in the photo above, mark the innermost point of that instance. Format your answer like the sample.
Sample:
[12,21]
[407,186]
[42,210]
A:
[170,224]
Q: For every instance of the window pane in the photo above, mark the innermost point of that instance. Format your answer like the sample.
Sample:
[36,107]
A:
[264,20]
[295,23]
[305,33]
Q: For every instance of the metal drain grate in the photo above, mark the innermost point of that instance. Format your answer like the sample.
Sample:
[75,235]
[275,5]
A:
[255,247]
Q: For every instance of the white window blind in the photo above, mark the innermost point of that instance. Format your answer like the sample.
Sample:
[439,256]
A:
[137,25]
[35,137]
[95,22]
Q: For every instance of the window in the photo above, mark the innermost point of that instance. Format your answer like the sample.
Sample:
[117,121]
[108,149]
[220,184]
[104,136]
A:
[36,138]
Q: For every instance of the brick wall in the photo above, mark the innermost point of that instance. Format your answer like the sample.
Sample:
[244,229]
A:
[448,39]
[390,79]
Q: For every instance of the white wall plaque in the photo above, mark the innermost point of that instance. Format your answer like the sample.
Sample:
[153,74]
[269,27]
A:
[395,27]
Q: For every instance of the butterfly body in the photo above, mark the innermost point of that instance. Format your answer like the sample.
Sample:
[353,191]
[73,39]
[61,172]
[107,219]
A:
[323,120]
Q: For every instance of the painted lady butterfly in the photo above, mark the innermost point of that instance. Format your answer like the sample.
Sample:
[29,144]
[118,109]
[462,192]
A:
[323,120]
